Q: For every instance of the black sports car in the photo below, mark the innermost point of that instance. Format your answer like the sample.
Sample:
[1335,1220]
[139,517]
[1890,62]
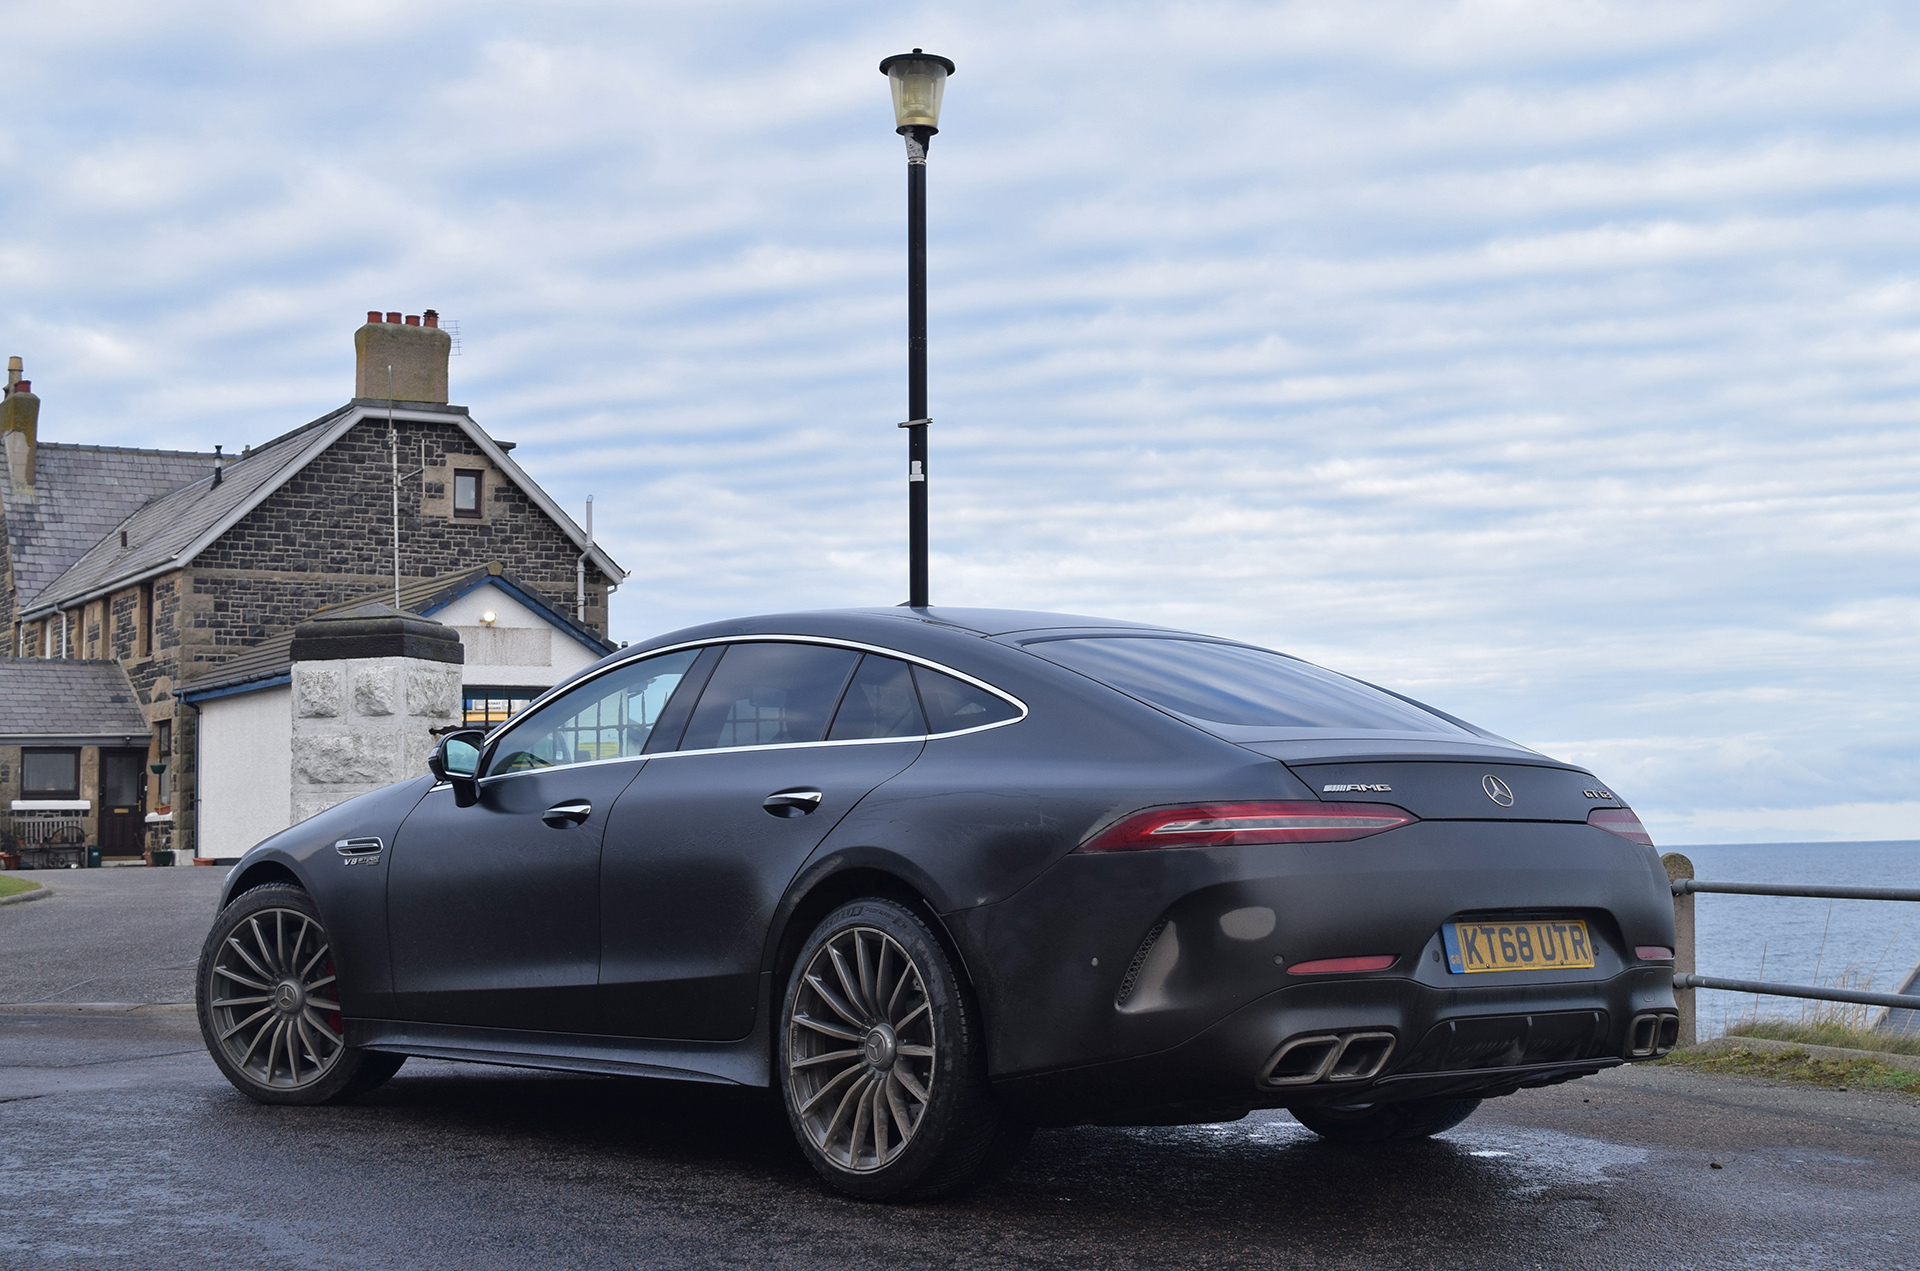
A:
[939,876]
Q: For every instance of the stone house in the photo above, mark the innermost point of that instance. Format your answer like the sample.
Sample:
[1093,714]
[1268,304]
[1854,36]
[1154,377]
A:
[170,565]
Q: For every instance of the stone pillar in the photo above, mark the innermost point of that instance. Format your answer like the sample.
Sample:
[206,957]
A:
[1679,868]
[368,685]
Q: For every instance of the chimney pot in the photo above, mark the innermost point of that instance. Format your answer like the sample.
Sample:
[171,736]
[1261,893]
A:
[23,386]
[432,318]
[393,318]
[413,319]
[373,315]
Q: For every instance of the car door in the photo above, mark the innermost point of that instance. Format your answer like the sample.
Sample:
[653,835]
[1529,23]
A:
[785,739]
[493,910]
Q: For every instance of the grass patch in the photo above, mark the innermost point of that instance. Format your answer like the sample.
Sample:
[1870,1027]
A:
[10,886]
[1799,1066]
[1827,1034]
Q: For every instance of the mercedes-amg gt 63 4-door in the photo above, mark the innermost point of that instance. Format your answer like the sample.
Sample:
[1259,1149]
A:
[941,876]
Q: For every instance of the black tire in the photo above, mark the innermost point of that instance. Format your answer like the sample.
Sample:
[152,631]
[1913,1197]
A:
[851,1082]
[1386,1122]
[267,1000]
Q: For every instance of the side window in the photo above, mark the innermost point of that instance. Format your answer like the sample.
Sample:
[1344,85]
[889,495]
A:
[765,693]
[879,703]
[955,704]
[609,718]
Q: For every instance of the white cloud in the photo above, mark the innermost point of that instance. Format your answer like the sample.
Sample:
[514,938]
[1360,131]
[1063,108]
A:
[1556,362]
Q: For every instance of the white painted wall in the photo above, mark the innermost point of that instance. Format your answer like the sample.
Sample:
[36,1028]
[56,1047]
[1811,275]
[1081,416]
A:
[245,769]
[520,648]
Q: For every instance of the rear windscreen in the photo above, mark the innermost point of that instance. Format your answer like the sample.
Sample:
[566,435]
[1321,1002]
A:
[1233,684]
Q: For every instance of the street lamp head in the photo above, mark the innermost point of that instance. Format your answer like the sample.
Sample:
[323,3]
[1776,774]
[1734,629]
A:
[918,80]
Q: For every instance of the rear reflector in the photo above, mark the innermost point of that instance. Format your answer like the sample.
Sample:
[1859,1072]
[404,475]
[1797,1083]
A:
[1653,953]
[1329,966]
[1621,821]
[1246,824]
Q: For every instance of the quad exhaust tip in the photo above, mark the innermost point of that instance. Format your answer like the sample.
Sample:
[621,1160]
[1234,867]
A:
[1328,1057]
[1652,1033]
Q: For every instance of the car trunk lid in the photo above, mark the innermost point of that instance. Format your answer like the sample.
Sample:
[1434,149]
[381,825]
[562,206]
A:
[1454,790]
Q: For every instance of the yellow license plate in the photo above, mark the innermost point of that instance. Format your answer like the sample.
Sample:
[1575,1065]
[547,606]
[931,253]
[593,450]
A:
[1516,946]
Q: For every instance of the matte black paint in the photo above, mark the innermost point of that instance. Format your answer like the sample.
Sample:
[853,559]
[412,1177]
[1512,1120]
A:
[649,938]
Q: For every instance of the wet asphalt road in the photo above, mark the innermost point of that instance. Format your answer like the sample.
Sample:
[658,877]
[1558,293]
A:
[121,1146]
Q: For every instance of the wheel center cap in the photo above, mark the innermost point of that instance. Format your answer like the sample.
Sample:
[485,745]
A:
[880,1046]
[287,997]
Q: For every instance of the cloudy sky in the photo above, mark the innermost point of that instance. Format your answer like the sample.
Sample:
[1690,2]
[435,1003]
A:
[1558,363]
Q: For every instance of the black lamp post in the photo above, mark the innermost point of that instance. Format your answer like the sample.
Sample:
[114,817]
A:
[918,81]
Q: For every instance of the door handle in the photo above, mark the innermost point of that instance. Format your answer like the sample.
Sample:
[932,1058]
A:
[561,815]
[792,802]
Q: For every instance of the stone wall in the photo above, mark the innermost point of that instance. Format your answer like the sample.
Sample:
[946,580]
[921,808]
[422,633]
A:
[363,723]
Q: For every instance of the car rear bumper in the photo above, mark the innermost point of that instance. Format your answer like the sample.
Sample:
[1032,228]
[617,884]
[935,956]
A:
[1456,1044]
[1147,983]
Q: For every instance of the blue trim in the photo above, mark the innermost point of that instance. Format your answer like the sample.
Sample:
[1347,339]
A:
[228,690]
[539,606]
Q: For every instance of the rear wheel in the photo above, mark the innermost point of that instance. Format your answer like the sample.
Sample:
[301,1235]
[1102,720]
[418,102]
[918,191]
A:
[1385,1122]
[269,1004]
[883,1063]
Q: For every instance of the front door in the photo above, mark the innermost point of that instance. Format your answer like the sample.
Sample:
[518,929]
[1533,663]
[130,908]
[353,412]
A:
[123,793]
[493,911]
[785,740]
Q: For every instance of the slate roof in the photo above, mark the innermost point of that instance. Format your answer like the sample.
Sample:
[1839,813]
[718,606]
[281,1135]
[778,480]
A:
[164,528]
[271,660]
[85,701]
[171,530]
[81,494]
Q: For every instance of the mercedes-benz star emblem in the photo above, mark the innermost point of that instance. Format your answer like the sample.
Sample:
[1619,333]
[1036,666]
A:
[1497,790]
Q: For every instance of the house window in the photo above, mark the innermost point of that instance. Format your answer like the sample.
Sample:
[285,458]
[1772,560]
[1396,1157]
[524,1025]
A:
[145,621]
[50,774]
[466,492]
[487,706]
[163,738]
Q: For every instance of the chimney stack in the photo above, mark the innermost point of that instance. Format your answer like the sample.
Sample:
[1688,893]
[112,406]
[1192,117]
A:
[20,426]
[416,350]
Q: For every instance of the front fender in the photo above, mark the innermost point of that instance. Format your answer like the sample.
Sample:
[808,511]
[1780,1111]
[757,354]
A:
[349,891]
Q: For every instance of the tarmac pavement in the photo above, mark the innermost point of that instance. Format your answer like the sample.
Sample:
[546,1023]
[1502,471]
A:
[121,1145]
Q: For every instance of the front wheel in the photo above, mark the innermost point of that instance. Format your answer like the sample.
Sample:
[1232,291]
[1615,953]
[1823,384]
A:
[884,1064]
[1385,1122]
[269,1004]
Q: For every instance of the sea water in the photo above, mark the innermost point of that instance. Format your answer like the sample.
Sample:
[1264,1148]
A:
[1863,944]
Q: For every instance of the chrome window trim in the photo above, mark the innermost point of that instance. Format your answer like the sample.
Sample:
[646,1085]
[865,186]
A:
[488,742]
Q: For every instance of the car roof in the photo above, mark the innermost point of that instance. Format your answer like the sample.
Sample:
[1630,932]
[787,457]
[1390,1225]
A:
[998,622]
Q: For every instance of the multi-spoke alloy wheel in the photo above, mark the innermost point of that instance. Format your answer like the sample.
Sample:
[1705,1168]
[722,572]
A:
[860,1049]
[273,999]
[270,1003]
[883,1061]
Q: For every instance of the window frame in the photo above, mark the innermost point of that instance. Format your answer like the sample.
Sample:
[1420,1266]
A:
[69,795]
[479,476]
[493,738]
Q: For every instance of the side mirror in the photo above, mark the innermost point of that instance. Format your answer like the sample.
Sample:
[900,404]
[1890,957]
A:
[455,761]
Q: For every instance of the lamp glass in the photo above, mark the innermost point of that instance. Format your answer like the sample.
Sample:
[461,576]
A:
[918,84]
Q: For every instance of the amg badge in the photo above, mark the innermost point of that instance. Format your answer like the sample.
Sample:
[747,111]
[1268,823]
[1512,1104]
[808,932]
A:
[1357,789]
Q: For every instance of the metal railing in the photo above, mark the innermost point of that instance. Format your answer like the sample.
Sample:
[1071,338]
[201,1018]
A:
[1685,981]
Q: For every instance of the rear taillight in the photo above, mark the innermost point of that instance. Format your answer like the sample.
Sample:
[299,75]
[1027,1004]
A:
[1623,822]
[1247,824]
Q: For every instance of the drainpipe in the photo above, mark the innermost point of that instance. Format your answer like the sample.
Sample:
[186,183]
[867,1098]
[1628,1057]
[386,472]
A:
[580,571]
